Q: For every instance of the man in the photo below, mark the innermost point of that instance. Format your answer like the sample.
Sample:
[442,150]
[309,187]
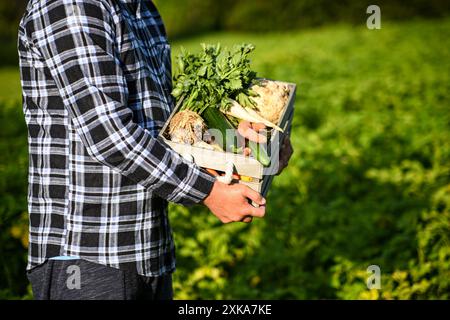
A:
[96,89]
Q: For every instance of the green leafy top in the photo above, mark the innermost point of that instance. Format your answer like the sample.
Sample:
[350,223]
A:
[209,78]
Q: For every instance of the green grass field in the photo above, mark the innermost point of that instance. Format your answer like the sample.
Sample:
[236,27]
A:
[10,84]
[368,183]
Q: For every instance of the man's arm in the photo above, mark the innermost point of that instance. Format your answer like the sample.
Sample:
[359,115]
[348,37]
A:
[76,40]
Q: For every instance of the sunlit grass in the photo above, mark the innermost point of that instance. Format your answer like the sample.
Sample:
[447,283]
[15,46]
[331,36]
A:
[9,84]
[372,155]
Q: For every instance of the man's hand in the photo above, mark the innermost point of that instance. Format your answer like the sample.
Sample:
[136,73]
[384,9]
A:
[256,132]
[252,132]
[230,203]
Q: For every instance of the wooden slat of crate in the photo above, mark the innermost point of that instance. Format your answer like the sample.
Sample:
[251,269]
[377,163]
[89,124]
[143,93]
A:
[257,186]
[218,160]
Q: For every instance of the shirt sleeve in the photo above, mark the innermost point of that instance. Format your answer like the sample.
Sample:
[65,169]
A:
[76,41]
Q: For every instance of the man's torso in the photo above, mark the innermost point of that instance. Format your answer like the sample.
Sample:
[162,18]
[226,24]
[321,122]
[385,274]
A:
[77,205]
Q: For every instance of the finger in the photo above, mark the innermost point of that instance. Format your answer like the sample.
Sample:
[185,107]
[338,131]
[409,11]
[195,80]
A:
[247,151]
[245,130]
[247,219]
[243,127]
[258,126]
[257,212]
[258,138]
[225,220]
[254,196]
[261,131]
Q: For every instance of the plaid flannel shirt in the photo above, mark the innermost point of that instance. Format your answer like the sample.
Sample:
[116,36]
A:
[96,81]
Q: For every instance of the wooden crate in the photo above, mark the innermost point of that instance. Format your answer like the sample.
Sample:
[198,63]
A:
[245,166]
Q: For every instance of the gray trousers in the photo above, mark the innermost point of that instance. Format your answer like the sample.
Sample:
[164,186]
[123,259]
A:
[83,280]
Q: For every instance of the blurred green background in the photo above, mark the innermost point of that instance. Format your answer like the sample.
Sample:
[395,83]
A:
[369,183]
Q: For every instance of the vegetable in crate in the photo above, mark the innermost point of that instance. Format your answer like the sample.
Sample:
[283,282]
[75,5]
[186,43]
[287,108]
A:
[210,78]
[271,99]
[248,114]
[217,78]
[215,82]
[188,127]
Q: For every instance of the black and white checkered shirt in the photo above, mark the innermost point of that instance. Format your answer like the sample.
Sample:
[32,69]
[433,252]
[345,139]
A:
[96,80]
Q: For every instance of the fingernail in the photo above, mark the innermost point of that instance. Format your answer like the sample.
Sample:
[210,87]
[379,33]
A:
[263,201]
